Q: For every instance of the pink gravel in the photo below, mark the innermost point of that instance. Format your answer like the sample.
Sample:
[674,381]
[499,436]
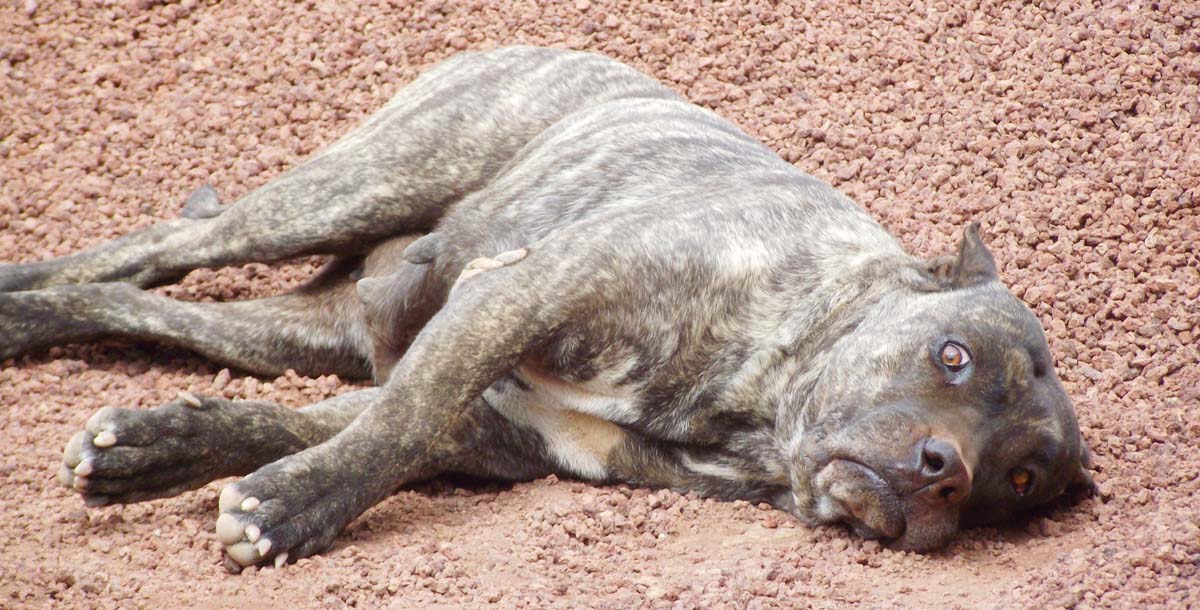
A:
[1072,133]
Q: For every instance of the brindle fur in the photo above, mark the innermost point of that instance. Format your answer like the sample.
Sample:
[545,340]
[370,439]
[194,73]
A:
[613,284]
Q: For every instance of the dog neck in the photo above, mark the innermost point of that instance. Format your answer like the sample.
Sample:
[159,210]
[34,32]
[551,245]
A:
[812,318]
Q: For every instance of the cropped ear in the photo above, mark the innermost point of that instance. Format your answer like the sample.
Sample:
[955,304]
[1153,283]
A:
[972,266]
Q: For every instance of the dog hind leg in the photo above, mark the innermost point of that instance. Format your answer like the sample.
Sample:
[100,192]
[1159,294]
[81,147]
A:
[317,329]
[446,134]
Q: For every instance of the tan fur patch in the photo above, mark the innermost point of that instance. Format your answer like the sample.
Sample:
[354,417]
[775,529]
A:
[579,442]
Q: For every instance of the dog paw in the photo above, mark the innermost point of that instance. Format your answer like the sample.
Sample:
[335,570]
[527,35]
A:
[287,510]
[131,455]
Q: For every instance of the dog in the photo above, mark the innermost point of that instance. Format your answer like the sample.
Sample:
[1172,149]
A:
[548,262]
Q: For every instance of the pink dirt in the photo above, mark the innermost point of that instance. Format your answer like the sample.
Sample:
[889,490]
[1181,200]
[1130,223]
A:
[1072,133]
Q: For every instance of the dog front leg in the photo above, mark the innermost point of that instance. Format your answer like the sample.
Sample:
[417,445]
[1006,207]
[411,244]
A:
[444,135]
[296,506]
[130,455]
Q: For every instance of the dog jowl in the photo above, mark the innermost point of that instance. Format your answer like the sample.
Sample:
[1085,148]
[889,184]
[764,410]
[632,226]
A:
[550,263]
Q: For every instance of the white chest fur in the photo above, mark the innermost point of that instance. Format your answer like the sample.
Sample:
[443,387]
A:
[578,421]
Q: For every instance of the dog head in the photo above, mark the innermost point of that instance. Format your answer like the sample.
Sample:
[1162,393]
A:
[938,408]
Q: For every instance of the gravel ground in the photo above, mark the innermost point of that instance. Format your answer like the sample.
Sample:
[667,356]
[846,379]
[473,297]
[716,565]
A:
[1071,133]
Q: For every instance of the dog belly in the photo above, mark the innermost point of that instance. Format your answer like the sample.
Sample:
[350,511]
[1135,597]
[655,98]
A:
[578,421]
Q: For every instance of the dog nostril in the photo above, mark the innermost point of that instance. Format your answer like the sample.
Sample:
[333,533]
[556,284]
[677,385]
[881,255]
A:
[934,462]
[941,479]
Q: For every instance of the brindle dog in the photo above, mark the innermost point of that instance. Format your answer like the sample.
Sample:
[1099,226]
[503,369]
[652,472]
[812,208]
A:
[613,284]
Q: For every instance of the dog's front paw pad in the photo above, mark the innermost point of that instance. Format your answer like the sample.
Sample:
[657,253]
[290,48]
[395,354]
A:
[271,516]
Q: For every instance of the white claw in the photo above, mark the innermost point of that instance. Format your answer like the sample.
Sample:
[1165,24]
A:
[230,499]
[249,504]
[229,529]
[84,468]
[105,439]
[252,533]
[190,399]
[281,559]
[263,546]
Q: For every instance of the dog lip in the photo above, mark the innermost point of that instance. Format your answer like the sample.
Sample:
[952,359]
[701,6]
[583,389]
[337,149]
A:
[893,523]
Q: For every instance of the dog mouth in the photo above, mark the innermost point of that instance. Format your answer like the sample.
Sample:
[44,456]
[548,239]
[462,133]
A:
[868,503]
[859,496]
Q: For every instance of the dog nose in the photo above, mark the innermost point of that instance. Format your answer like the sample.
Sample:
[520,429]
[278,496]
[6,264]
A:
[941,475]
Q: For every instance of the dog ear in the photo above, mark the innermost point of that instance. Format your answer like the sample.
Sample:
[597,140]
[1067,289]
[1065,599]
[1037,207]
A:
[972,266]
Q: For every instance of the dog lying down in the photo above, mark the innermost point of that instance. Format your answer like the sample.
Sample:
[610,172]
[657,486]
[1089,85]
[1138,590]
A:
[611,284]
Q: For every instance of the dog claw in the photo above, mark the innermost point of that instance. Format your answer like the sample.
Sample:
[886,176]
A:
[190,399]
[253,533]
[263,546]
[250,504]
[84,468]
[105,439]
[202,203]
[281,559]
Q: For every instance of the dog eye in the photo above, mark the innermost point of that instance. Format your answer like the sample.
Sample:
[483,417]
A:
[1021,479]
[955,356]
